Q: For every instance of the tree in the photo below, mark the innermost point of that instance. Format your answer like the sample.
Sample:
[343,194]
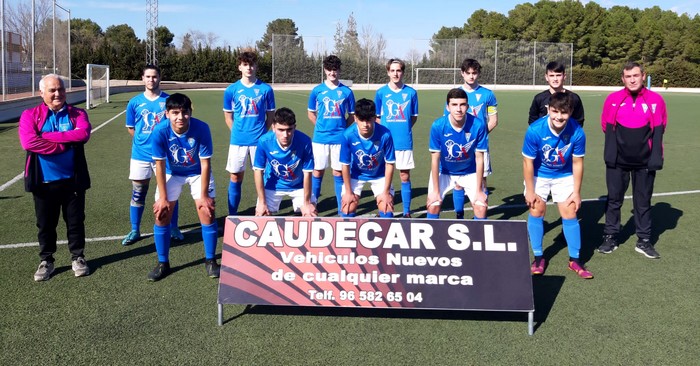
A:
[278,27]
[124,52]
[86,42]
[19,20]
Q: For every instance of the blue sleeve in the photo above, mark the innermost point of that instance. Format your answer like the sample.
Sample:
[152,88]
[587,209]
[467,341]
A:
[378,103]
[312,101]
[390,155]
[228,99]
[270,100]
[351,103]
[206,147]
[435,140]
[530,144]
[414,104]
[308,157]
[579,143]
[345,153]
[260,161]
[482,143]
[159,144]
[492,100]
[130,114]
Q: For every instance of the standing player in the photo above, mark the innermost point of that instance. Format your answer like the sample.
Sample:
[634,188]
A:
[553,153]
[483,105]
[182,149]
[143,113]
[329,103]
[397,108]
[633,120]
[555,76]
[286,159]
[248,108]
[367,156]
[457,145]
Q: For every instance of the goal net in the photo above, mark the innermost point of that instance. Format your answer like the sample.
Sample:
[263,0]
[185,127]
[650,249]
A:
[97,85]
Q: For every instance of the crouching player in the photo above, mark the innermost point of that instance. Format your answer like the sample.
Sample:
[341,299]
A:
[553,153]
[367,156]
[285,157]
[457,145]
[182,150]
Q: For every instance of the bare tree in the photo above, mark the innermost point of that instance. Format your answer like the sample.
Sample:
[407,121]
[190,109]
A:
[18,19]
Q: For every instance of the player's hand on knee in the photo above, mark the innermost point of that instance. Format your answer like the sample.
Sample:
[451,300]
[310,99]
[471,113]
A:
[261,209]
[575,200]
[160,209]
[308,210]
[385,202]
[206,205]
[433,198]
[348,202]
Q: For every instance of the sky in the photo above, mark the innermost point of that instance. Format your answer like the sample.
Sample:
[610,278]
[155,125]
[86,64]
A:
[241,23]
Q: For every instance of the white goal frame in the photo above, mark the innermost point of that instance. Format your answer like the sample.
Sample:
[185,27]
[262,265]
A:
[96,90]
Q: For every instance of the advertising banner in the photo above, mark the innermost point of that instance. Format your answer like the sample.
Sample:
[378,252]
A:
[374,262]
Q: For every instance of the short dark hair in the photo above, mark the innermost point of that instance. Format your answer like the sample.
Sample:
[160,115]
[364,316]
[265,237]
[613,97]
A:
[178,101]
[150,67]
[284,116]
[395,61]
[556,66]
[248,57]
[456,93]
[470,63]
[332,62]
[562,102]
[365,110]
[629,65]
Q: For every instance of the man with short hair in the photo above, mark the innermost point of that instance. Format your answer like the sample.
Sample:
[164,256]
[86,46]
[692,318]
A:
[482,104]
[249,105]
[143,113]
[553,152]
[555,75]
[457,145]
[56,172]
[282,167]
[331,109]
[633,120]
[367,156]
[397,109]
[182,149]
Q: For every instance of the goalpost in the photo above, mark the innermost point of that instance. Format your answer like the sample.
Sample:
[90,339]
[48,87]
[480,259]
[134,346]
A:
[97,85]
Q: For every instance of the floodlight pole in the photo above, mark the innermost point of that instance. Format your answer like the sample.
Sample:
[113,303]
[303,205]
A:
[2,29]
[53,26]
[33,65]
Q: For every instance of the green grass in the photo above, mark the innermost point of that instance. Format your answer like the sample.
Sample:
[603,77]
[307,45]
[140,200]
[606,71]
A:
[635,311]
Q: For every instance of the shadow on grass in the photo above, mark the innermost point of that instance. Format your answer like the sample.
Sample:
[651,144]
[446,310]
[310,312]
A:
[545,290]
[663,217]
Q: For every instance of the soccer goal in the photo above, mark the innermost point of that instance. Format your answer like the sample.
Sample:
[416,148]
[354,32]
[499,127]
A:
[97,85]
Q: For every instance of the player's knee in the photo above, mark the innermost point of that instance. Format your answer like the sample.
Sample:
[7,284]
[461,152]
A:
[138,194]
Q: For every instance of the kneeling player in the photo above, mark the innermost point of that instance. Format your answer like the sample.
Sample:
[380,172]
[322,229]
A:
[285,157]
[457,145]
[367,156]
[553,153]
[182,150]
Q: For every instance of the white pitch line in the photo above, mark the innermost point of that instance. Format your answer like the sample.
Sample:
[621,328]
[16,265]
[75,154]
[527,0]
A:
[110,238]
[19,176]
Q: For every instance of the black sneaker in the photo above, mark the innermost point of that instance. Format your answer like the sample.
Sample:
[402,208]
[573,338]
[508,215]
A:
[644,246]
[213,268]
[158,273]
[609,244]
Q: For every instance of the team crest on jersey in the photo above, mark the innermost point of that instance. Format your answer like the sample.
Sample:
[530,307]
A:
[257,91]
[478,97]
[161,105]
[645,107]
[396,111]
[181,156]
[340,93]
[458,152]
[554,157]
[368,161]
[249,106]
[190,141]
[404,96]
[331,108]
[284,171]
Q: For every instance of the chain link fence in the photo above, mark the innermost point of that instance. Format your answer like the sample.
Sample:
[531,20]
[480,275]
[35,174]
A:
[298,60]
[27,54]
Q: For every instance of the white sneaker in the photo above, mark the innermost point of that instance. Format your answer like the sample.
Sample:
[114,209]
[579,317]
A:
[44,271]
[80,267]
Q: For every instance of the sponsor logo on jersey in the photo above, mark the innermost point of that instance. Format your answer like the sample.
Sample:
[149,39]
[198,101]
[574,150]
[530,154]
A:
[458,152]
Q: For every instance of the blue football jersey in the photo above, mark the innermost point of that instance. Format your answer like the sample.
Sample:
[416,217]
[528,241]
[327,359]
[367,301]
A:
[552,153]
[57,166]
[457,147]
[367,157]
[249,106]
[284,168]
[182,153]
[396,108]
[331,106]
[143,114]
